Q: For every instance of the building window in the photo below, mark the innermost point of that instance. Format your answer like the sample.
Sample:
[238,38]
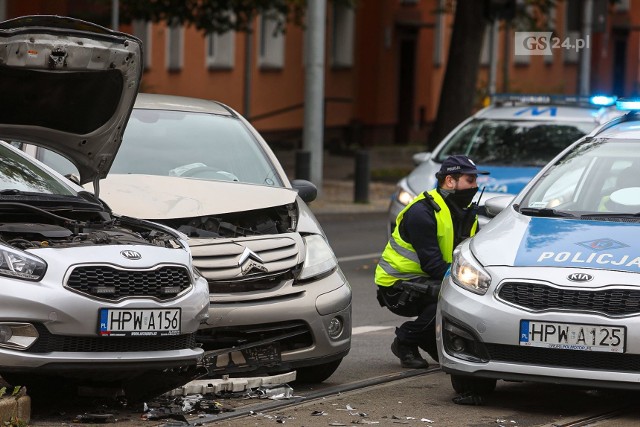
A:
[523,59]
[142,30]
[342,36]
[220,50]
[621,6]
[271,42]
[175,43]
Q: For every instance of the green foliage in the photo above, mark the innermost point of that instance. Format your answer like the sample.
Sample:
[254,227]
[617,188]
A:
[216,16]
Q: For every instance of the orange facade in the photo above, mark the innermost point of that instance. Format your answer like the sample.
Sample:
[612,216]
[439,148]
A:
[389,92]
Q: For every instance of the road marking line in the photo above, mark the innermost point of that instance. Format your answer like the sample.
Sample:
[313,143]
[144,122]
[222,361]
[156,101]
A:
[358,257]
[365,329]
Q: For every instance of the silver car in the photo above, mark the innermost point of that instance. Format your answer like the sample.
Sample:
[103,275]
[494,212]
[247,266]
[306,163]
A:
[513,138]
[276,290]
[84,294]
[548,291]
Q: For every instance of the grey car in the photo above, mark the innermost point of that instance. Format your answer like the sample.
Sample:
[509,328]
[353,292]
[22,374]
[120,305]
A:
[513,138]
[548,291]
[277,292]
[86,295]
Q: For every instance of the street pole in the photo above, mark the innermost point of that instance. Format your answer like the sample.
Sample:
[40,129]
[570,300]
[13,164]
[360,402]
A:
[585,54]
[313,133]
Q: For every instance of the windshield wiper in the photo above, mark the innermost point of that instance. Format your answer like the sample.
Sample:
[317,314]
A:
[611,215]
[12,192]
[545,212]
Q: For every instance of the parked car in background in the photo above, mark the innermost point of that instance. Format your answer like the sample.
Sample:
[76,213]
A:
[513,139]
[548,291]
[86,296]
[200,167]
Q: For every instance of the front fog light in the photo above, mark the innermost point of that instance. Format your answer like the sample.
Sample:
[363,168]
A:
[17,336]
[5,333]
[335,327]
[460,342]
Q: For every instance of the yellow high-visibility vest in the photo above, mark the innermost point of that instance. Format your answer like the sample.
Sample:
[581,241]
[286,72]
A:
[399,260]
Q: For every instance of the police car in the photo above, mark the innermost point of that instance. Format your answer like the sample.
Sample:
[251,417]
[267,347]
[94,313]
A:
[549,290]
[512,138]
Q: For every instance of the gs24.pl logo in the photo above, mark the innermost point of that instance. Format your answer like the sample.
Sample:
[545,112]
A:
[543,43]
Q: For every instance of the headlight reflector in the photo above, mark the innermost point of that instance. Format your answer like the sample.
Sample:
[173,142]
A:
[405,197]
[20,264]
[319,257]
[467,273]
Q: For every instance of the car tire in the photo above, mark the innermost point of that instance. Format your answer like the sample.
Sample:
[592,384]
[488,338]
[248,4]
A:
[464,384]
[316,373]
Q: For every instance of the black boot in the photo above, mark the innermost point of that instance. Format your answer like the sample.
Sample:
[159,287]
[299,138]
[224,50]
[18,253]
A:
[409,355]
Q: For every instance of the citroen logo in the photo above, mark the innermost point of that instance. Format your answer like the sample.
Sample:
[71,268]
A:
[250,261]
[131,254]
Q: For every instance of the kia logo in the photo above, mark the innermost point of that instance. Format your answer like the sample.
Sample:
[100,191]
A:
[580,277]
[131,254]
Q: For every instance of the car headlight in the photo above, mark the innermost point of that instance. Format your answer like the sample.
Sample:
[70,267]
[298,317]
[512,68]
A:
[467,273]
[319,258]
[405,197]
[20,264]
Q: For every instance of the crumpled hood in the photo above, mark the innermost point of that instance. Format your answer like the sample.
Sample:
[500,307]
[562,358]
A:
[501,180]
[72,94]
[516,240]
[157,197]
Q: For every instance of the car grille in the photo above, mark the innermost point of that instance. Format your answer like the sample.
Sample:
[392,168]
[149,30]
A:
[112,284]
[218,338]
[48,342]
[564,358]
[538,297]
[219,262]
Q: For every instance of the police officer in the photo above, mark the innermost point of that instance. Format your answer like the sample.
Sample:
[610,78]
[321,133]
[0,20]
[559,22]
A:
[420,250]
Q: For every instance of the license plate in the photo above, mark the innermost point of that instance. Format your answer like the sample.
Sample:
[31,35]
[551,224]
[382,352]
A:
[572,336]
[139,322]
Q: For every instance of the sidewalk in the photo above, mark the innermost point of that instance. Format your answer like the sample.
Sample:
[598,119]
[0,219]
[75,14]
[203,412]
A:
[337,193]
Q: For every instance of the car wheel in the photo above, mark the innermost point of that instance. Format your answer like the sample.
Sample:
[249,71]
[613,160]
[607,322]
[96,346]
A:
[463,384]
[317,373]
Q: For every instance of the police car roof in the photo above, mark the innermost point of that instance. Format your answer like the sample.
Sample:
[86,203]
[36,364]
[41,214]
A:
[627,127]
[548,107]
[546,112]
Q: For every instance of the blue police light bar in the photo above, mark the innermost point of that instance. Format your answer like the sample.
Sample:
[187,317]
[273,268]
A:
[628,104]
[595,100]
[603,100]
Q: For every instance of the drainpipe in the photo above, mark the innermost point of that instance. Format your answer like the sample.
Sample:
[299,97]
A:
[585,57]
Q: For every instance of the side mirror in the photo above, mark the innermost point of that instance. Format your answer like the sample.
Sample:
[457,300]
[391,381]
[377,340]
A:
[307,190]
[421,157]
[495,205]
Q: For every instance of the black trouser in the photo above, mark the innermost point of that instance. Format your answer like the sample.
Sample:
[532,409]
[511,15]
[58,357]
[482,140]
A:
[418,332]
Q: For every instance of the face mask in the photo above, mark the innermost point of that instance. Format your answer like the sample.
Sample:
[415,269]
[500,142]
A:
[462,198]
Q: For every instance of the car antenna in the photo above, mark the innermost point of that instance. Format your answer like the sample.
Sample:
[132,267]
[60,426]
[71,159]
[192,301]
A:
[481,193]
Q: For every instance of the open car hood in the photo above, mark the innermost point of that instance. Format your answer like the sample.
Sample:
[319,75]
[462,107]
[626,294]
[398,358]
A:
[157,197]
[68,85]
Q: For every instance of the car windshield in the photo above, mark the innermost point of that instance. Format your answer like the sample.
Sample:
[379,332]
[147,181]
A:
[512,142]
[197,145]
[18,174]
[599,177]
